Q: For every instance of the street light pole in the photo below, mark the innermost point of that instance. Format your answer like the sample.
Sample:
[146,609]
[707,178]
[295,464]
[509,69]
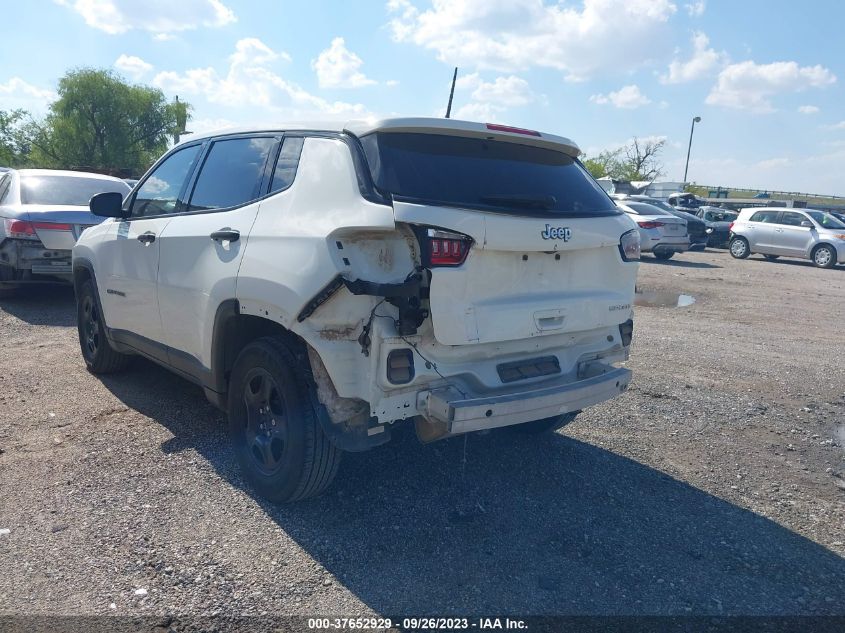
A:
[689,147]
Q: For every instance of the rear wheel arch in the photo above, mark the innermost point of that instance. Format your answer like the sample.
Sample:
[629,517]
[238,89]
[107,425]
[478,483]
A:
[232,332]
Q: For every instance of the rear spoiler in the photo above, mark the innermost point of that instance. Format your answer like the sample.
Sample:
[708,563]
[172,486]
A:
[471,129]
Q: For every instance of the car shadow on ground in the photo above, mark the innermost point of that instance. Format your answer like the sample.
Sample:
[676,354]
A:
[789,261]
[42,304]
[679,263]
[505,524]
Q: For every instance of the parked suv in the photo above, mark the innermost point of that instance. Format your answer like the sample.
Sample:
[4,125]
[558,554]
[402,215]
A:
[322,283]
[775,232]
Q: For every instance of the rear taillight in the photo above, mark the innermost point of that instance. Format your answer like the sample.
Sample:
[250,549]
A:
[629,245]
[446,248]
[731,226]
[21,229]
[650,225]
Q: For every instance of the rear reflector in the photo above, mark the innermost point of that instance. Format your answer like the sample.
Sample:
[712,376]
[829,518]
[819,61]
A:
[400,366]
[513,130]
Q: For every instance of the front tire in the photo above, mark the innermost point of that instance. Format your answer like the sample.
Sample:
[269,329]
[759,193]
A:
[100,357]
[771,258]
[824,256]
[274,429]
[546,425]
[7,291]
[739,248]
[663,255]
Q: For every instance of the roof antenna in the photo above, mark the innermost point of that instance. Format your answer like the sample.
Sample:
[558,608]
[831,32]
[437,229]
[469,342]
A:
[452,93]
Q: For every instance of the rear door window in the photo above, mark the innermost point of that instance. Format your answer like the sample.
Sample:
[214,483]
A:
[478,173]
[232,173]
[768,217]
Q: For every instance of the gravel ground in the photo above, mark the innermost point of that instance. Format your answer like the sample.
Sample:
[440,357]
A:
[715,485]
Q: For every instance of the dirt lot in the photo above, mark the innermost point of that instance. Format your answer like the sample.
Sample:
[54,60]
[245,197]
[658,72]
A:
[714,486]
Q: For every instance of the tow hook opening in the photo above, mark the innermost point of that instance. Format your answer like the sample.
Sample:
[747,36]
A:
[626,331]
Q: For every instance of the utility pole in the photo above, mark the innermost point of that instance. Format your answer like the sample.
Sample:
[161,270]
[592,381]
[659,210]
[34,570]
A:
[689,147]
[452,93]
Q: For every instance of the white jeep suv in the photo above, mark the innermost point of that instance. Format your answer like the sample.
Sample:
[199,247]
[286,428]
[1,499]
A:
[322,283]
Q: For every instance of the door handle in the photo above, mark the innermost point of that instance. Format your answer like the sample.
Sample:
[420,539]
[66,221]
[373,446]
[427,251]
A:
[147,238]
[226,235]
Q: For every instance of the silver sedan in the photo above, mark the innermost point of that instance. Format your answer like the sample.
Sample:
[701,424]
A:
[661,234]
[42,214]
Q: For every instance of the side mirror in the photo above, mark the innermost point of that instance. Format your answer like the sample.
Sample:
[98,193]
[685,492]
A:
[806,224]
[107,205]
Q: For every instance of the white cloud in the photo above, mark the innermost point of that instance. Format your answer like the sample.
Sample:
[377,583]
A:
[703,61]
[338,67]
[772,163]
[251,81]
[391,83]
[835,126]
[628,97]
[696,9]
[159,16]
[163,37]
[511,35]
[200,126]
[17,93]
[750,86]
[133,67]
[490,100]
[808,109]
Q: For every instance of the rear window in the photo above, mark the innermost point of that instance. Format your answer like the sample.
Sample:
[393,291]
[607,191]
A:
[482,174]
[765,216]
[643,208]
[69,190]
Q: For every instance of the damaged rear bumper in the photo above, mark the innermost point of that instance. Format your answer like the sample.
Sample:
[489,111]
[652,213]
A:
[461,411]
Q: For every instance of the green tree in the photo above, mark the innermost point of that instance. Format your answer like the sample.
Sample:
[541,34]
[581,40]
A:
[99,122]
[605,164]
[14,149]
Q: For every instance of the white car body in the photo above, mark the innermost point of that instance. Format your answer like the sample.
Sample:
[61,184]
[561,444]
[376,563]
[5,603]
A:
[318,258]
[660,232]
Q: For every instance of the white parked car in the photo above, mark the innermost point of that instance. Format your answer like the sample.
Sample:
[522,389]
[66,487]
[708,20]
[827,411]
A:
[322,283]
[42,213]
[661,233]
[775,231]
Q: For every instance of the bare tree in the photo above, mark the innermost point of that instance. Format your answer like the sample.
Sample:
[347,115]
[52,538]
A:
[642,159]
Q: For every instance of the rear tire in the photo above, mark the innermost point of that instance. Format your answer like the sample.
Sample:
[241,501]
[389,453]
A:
[546,425]
[824,256]
[663,255]
[739,248]
[100,357]
[274,429]
[771,258]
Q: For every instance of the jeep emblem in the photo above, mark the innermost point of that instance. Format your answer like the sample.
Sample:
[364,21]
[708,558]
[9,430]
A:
[556,233]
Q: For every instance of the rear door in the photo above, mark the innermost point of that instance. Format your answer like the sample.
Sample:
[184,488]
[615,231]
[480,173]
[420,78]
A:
[544,257]
[128,256]
[760,231]
[202,248]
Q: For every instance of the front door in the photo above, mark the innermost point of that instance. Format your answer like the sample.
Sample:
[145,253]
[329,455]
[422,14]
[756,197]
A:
[129,255]
[790,237]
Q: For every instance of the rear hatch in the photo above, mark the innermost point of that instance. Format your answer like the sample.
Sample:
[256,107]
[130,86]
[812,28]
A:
[541,254]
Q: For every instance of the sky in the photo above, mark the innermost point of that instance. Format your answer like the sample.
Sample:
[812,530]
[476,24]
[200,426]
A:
[765,76]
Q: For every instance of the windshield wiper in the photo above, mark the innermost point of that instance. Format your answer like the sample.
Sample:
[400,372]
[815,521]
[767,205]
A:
[525,201]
